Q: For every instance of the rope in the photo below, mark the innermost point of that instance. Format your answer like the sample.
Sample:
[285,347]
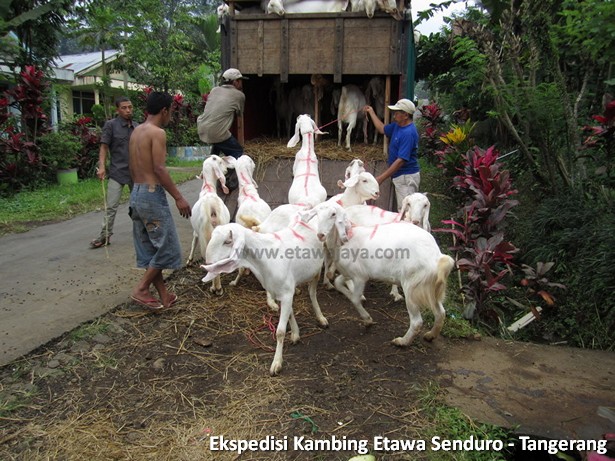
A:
[334,121]
[267,325]
[104,192]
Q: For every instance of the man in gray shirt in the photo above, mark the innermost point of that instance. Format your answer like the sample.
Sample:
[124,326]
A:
[224,102]
[114,139]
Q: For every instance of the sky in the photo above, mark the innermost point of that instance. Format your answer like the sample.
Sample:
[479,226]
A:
[435,23]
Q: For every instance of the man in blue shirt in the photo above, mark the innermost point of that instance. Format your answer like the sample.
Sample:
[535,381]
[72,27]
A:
[403,159]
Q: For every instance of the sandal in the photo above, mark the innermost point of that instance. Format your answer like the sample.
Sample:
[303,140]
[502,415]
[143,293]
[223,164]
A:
[100,242]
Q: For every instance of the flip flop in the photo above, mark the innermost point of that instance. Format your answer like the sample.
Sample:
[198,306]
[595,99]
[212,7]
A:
[174,298]
[100,242]
[151,303]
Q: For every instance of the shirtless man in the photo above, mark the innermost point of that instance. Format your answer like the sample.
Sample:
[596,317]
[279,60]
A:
[155,236]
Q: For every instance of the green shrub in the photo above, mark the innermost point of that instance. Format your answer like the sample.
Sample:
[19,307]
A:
[578,234]
[60,150]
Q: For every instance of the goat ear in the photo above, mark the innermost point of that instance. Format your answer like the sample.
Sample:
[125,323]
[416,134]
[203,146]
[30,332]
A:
[229,264]
[425,223]
[220,175]
[405,207]
[316,130]
[306,216]
[352,181]
[295,139]
[343,226]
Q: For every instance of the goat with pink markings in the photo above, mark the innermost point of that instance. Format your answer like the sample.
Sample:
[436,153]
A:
[306,188]
[409,256]
[267,256]
[210,211]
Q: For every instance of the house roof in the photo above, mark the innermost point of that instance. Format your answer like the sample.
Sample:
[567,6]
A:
[84,62]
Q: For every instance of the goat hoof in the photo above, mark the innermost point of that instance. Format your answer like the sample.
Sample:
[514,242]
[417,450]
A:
[368,322]
[324,323]
[400,342]
[398,298]
[429,336]
[217,292]
[294,339]
[275,369]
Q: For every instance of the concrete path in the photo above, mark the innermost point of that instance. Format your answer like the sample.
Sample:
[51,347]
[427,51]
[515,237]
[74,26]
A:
[51,281]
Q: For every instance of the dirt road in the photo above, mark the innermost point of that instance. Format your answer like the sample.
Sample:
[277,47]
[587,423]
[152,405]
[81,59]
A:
[52,282]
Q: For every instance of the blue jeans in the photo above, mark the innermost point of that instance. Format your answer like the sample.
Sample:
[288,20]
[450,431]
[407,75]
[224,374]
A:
[228,147]
[153,229]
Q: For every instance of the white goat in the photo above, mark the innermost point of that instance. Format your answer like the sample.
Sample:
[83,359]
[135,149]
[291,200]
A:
[266,255]
[279,218]
[210,211]
[370,7]
[363,215]
[397,253]
[222,12]
[355,166]
[306,188]
[357,190]
[415,209]
[281,7]
[349,110]
[250,205]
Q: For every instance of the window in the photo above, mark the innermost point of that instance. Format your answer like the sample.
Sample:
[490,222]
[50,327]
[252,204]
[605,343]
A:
[82,102]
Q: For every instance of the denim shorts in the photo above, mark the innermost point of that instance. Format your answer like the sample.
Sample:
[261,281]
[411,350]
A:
[153,229]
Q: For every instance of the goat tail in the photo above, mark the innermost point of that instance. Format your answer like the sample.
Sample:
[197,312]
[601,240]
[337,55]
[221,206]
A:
[249,221]
[445,266]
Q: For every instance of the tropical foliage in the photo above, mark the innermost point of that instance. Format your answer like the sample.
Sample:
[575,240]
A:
[537,78]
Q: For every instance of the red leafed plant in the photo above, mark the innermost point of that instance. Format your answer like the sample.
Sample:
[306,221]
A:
[432,121]
[601,140]
[89,135]
[19,154]
[486,256]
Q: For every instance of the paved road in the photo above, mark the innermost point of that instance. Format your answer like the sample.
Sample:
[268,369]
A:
[51,281]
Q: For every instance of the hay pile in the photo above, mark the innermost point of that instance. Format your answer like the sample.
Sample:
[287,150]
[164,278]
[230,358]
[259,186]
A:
[265,150]
[166,382]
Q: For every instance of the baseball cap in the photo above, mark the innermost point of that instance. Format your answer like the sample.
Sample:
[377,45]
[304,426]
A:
[232,74]
[405,105]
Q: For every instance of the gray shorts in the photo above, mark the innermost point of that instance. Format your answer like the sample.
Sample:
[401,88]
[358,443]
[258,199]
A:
[405,185]
[153,229]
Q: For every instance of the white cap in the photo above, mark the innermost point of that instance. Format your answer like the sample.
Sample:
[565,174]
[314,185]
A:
[232,74]
[405,105]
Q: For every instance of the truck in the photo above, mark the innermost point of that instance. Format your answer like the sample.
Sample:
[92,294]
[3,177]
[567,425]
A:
[323,49]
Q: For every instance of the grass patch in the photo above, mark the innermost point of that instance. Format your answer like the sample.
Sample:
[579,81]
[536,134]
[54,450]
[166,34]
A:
[11,402]
[449,423]
[58,203]
[89,330]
